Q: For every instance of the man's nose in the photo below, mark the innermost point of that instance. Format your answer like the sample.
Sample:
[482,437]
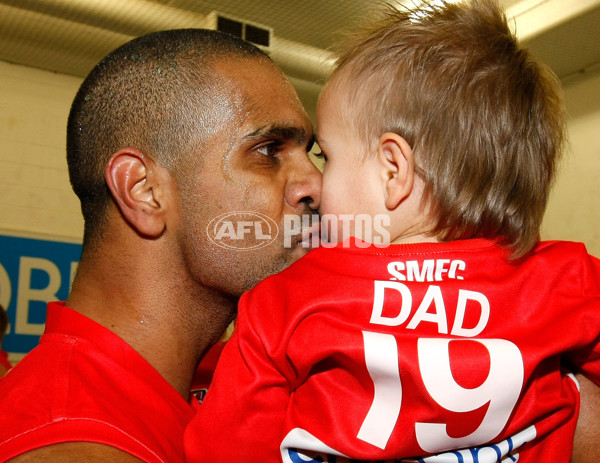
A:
[303,187]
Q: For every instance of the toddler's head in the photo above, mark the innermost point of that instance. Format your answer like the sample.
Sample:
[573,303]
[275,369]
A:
[438,118]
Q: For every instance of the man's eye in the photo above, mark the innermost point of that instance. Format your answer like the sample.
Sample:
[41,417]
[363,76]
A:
[269,149]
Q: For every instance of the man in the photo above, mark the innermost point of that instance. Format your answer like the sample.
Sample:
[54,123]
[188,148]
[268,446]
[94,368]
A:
[167,133]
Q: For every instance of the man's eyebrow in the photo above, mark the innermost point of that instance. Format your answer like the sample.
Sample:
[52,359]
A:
[292,133]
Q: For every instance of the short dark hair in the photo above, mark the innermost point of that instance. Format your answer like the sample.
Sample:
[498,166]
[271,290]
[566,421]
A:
[153,93]
[485,120]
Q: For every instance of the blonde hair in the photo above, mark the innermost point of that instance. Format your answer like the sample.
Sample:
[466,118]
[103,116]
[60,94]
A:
[485,120]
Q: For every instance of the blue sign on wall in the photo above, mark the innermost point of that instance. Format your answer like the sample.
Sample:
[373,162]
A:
[33,272]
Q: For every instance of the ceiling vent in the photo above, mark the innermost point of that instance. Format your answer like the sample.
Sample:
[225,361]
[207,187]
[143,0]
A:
[252,32]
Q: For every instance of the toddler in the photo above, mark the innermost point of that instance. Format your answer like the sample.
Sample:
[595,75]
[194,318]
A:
[449,344]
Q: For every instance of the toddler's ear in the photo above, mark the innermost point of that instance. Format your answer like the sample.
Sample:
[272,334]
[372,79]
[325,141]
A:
[396,157]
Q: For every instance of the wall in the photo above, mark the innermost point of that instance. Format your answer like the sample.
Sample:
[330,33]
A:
[35,194]
[36,200]
[574,209]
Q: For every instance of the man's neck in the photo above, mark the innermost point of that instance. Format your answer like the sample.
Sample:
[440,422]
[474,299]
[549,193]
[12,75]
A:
[171,327]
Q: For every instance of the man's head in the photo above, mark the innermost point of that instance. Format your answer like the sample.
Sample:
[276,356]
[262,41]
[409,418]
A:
[484,120]
[157,93]
[209,112]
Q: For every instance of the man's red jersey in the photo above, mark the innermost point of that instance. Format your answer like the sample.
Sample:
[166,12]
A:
[83,383]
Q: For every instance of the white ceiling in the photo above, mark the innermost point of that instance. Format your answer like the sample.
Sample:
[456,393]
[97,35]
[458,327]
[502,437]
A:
[70,36]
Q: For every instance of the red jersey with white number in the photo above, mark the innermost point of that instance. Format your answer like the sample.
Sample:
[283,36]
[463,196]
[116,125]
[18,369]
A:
[83,383]
[407,352]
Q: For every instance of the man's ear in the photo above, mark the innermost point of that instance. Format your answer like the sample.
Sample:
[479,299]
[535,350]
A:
[396,157]
[134,181]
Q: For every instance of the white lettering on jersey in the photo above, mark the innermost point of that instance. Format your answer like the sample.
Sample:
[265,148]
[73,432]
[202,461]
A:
[429,271]
[381,356]
[378,303]
[300,446]
[500,391]
[434,300]
[503,451]
[465,296]
[433,296]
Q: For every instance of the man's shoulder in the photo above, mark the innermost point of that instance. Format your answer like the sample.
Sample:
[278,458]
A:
[74,390]
[39,398]
[32,381]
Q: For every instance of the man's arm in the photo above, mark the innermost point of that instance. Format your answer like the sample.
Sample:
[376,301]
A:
[586,447]
[76,452]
